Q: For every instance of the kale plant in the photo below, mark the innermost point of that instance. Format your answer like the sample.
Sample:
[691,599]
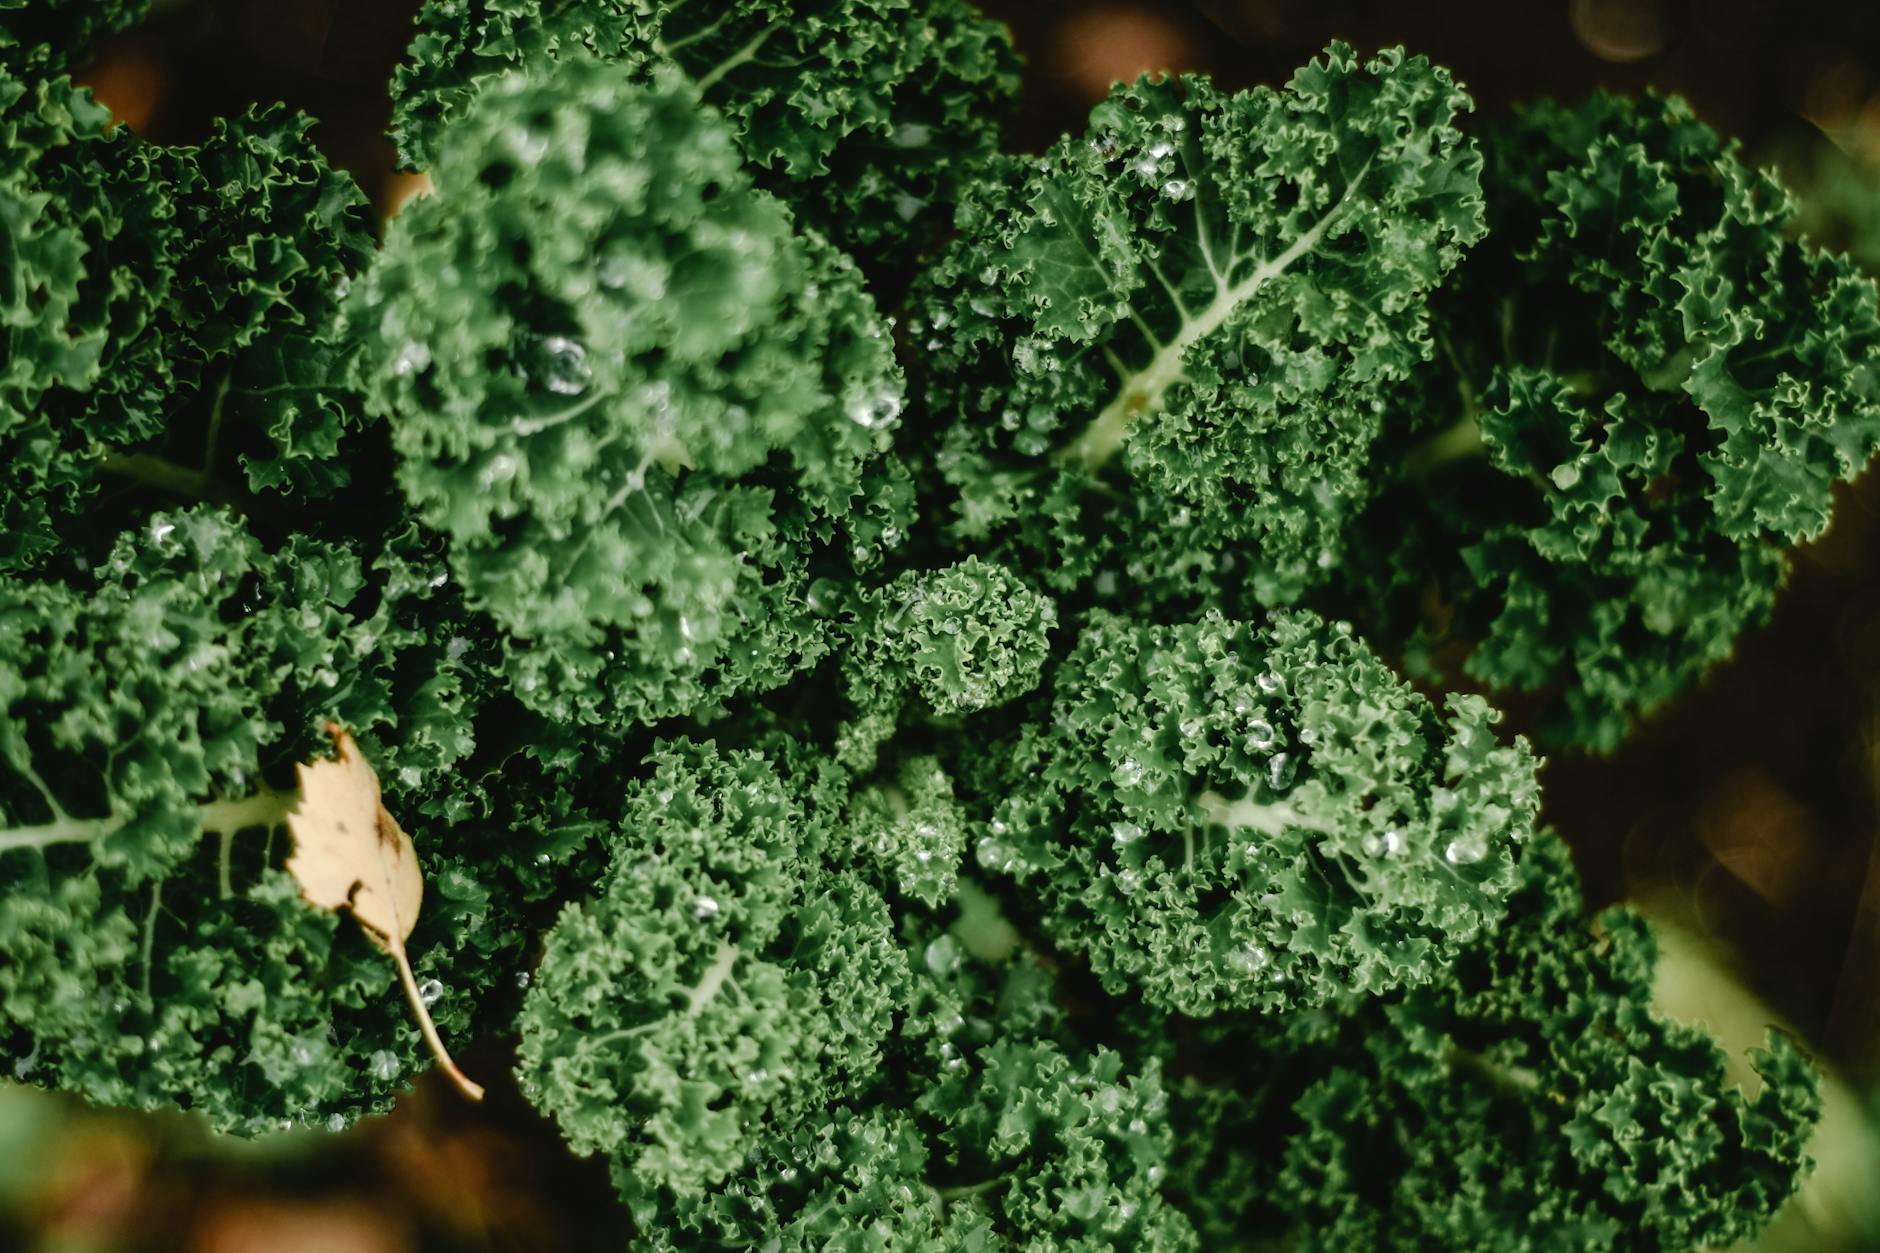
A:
[884,664]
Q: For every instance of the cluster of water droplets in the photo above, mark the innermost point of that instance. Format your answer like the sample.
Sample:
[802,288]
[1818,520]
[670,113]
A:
[1158,164]
[993,851]
[1388,844]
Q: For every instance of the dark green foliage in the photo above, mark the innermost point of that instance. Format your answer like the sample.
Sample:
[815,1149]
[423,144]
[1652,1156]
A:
[863,114]
[155,952]
[957,857]
[1221,816]
[46,36]
[720,985]
[170,316]
[1646,392]
[1153,356]
[643,409]
[986,1126]
[1533,1101]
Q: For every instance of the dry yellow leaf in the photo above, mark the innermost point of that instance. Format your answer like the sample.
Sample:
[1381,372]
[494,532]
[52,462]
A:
[350,853]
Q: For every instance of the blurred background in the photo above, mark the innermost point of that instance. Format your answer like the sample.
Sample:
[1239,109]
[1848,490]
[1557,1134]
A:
[1745,818]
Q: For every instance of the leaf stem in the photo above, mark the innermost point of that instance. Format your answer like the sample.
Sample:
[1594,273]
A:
[266,808]
[711,78]
[1142,392]
[469,1087]
[150,936]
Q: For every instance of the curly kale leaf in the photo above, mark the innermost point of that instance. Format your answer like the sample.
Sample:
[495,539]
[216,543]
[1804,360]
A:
[151,950]
[644,410]
[721,984]
[42,37]
[988,1126]
[171,320]
[1532,1099]
[1222,816]
[935,645]
[863,114]
[1170,333]
[1647,391]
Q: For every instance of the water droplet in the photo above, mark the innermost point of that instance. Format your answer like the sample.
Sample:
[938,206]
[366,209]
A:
[1465,850]
[704,907]
[1269,682]
[562,364]
[383,1065]
[1280,771]
[1249,958]
[431,991]
[876,409]
[911,135]
[501,468]
[523,980]
[1128,881]
[993,855]
[1260,735]
[1161,148]
[1177,189]
[943,955]
[528,146]
[787,1174]
[160,528]
[1125,833]
[1129,772]
[411,357]
[336,1123]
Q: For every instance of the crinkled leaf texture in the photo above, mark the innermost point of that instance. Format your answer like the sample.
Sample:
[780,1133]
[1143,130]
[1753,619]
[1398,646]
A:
[734,1021]
[1532,1100]
[1154,354]
[1647,391]
[171,322]
[153,951]
[643,408]
[1224,816]
[865,115]
[40,37]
